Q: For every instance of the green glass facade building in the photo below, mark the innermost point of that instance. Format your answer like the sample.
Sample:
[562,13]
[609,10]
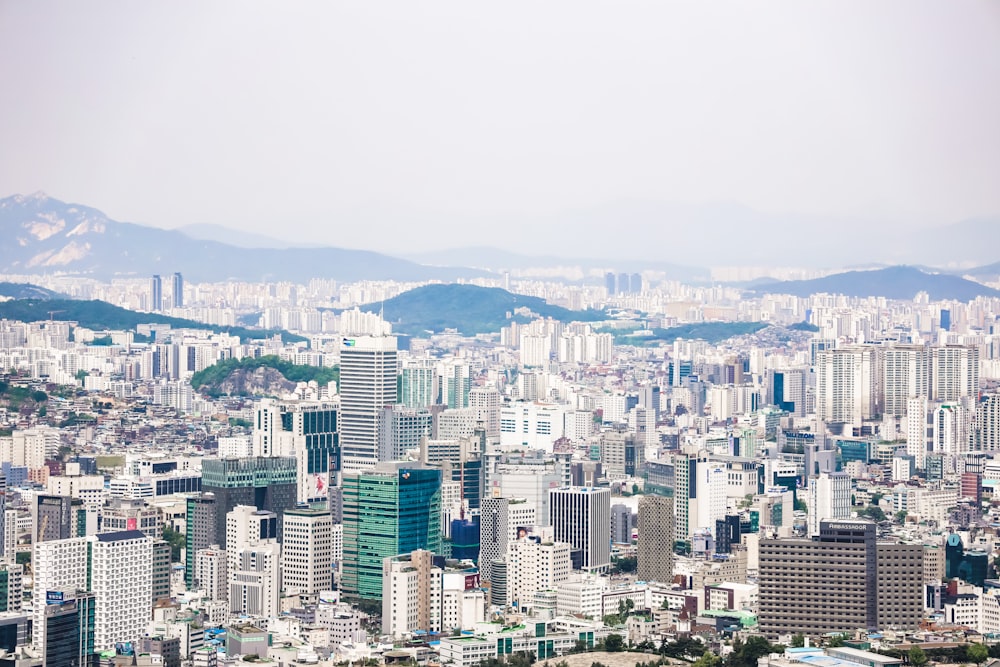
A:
[390,510]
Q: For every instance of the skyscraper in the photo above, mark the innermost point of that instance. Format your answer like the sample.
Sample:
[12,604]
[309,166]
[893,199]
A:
[906,375]
[267,483]
[847,384]
[954,372]
[306,430]
[392,509]
[582,517]
[500,519]
[156,293]
[655,548]
[367,384]
[252,555]
[177,290]
[829,498]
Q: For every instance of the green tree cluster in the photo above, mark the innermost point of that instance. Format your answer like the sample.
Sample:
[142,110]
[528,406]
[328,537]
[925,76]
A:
[209,379]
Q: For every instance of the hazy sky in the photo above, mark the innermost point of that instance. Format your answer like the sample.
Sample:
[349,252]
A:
[403,126]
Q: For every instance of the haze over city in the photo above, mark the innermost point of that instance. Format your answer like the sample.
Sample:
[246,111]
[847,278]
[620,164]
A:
[541,128]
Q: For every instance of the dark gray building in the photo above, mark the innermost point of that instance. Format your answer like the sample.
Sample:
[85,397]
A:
[839,581]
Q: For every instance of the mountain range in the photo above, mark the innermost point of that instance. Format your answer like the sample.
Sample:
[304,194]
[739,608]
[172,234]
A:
[894,282]
[45,235]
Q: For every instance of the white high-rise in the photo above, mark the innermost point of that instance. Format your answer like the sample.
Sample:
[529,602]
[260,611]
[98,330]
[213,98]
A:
[905,375]
[951,423]
[368,368]
[848,381]
[57,565]
[829,498]
[119,570]
[211,572]
[486,401]
[122,583]
[954,372]
[307,551]
[581,516]
[253,561]
[534,566]
[916,429]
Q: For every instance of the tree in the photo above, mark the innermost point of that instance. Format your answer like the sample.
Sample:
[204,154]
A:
[798,640]
[900,516]
[614,643]
[176,540]
[917,656]
[707,659]
[977,653]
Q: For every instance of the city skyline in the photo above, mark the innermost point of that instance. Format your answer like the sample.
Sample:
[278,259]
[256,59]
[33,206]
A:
[476,127]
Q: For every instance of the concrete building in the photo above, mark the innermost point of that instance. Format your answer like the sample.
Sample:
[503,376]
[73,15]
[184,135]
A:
[655,547]
[581,516]
[368,367]
[500,521]
[307,551]
[839,581]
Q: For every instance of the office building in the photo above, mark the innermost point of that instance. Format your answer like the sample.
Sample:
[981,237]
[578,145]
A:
[391,509]
[121,579]
[424,593]
[582,517]
[306,430]
[68,626]
[253,561]
[307,551]
[201,531]
[501,520]
[839,581]
[400,430]
[156,294]
[177,290]
[162,566]
[53,518]
[655,546]
[368,367]
[211,573]
[418,384]
[11,586]
[621,524]
[127,514]
[268,483]
[534,566]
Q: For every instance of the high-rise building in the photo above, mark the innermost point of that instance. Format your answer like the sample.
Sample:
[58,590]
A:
[400,429]
[392,509]
[68,620]
[11,586]
[986,425]
[201,532]
[162,565]
[306,430]
[582,517]
[533,566]
[486,401]
[847,384]
[655,547]
[906,374]
[368,367]
[839,580]
[177,290]
[954,372]
[253,561]
[951,427]
[53,517]
[621,524]
[121,579]
[500,522]
[418,384]
[307,551]
[917,429]
[829,498]
[265,482]
[211,573]
[156,293]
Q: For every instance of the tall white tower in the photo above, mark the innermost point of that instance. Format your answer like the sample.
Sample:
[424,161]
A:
[829,498]
[368,368]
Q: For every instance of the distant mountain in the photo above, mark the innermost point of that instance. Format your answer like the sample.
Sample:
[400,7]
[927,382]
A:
[470,309]
[101,315]
[42,235]
[235,237]
[258,376]
[27,291]
[896,282]
[495,259]
[987,272]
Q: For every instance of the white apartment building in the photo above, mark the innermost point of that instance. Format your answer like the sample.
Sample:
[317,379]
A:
[211,572]
[122,583]
[307,551]
[534,566]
